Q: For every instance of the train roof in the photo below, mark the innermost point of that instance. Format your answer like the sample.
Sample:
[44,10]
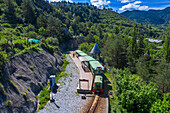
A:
[98,78]
[81,53]
[89,58]
[95,64]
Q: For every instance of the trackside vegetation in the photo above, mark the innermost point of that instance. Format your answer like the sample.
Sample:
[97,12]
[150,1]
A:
[132,94]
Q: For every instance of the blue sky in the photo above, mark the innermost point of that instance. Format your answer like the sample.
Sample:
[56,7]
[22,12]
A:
[123,5]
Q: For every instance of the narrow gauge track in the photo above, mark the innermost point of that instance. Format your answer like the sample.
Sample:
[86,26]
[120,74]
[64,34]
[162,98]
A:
[93,105]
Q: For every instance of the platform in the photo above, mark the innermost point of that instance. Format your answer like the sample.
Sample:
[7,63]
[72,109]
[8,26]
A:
[85,82]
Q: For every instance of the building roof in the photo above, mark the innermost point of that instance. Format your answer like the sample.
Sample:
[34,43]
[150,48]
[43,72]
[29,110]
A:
[154,40]
[95,49]
[159,47]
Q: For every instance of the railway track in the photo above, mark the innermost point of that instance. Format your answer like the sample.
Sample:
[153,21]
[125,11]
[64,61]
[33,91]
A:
[93,105]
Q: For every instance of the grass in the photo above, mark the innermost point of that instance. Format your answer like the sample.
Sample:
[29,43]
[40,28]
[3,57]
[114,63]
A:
[8,102]
[44,97]
[3,90]
[15,87]
[62,73]
[24,94]
[30,49]
[77,94]
[28,88]
[31,67]
[45,93]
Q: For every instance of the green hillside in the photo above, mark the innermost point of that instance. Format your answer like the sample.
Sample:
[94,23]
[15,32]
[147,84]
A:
[155,17]
[60,21]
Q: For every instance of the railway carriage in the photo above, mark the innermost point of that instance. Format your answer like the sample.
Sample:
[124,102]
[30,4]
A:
[95,67]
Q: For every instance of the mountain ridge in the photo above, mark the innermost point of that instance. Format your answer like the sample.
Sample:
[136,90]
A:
[151,16]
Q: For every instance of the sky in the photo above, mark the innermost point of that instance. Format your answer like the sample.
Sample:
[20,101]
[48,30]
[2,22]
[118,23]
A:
[123,5]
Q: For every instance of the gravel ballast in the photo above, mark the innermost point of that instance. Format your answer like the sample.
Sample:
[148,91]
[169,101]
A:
[67,100]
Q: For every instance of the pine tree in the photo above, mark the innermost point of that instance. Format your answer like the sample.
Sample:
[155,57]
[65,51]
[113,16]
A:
[51,28]
[166,46]
[132,51]
[28,12]
[41,21]
[10,13]
[141,46]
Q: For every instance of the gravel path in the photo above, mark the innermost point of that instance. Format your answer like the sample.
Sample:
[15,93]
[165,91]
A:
[67,100]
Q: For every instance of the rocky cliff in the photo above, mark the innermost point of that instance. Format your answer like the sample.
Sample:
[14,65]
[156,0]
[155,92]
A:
[23,78]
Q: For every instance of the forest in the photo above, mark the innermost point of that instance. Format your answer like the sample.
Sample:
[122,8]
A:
[138,69]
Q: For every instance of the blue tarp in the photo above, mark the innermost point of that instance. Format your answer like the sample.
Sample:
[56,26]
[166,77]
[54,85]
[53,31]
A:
[34,41]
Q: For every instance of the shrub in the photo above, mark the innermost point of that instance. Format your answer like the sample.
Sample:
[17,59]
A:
[32,34]
[133,94]
[48,47]
[8,102]
[2,89]
[31,67]
[161,106]
[44,97]
[24,94]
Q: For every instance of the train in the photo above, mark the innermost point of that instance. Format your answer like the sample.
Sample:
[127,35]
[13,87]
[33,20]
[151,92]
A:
[95,67]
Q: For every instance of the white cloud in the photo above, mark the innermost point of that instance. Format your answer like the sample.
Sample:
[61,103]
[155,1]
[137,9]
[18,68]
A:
[143,7]
[60,0]
[126,1]
[100,3]
[108,2]
[137,2]
[132,6]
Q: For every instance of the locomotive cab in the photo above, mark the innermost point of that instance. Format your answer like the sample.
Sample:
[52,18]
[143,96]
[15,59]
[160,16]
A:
[98,84]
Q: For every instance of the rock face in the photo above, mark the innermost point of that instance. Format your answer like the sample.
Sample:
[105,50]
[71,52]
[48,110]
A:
[71,44]
[23,78]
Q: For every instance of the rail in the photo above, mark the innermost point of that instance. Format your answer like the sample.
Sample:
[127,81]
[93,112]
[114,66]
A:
[93,105]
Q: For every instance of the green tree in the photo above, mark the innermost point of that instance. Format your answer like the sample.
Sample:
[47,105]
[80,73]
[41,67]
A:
[132,93]
[117,30]
[10,13]
[163,77]
[89,38]
[133,44]
[41,31]
[166,50]
[141,46]
[114,52]
[161,106]
[52,25]
[28,12]
[86,47]
[132,51]
[42,21]
[143,67]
